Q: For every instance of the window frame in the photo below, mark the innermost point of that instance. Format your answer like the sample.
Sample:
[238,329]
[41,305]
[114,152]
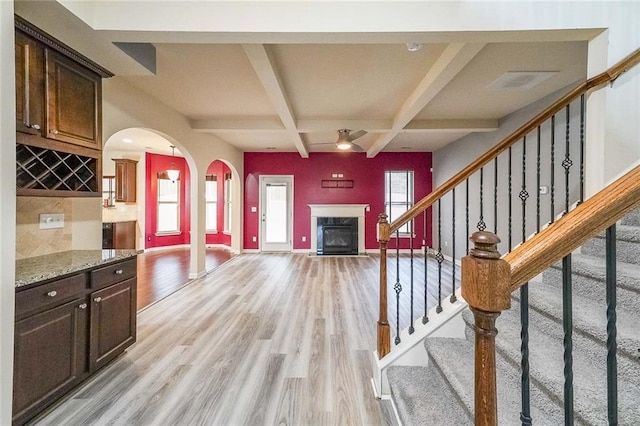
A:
[214,181]
[178,230]
[404,231]
[227,203]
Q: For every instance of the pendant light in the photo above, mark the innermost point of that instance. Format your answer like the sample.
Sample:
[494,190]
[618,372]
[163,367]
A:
[173,173]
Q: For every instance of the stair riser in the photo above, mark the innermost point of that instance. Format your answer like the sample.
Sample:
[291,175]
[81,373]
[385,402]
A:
[626,251]
[595,289]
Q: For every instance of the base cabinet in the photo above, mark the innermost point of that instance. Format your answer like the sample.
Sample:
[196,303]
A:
[50,357]
[67,329]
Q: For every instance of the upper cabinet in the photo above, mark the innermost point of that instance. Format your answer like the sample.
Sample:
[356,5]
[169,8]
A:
[125,180]
[58,117]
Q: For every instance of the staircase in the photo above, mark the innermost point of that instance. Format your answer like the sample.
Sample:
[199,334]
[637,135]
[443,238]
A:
[442,393]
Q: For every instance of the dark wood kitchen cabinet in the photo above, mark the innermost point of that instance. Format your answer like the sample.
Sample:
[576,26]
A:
[58,112]
[67,329]
[125,180]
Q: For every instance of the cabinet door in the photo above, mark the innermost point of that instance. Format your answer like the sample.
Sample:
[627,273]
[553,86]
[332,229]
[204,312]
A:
[29,56]
[113,322]
[124,235]
[125,180]
[73,102]
[50,357]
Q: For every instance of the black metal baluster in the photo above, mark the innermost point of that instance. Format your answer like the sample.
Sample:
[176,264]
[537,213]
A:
[582,106]
[425,318]
[439,258]
[467,214]
[481,225]
[567,163]
[411,329]
[397,287]
[553,170]
[538,182]
[525,414]
[495,196]
[510,219]
[612,345]
[567,322]
[453,298]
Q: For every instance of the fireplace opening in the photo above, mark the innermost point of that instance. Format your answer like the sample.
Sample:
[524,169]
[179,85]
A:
[337,235]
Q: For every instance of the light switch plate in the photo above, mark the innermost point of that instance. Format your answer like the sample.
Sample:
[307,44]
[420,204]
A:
[51,220]
[254,209]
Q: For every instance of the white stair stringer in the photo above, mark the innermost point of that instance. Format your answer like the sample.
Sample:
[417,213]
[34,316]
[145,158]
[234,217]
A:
[410,350]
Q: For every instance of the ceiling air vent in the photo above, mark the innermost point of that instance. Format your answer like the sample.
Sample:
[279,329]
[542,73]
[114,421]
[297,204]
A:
[520,80]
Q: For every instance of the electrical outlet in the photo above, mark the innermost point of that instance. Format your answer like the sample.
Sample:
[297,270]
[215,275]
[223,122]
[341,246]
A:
[254,239]
[304,238]
[51,220]
[544,190]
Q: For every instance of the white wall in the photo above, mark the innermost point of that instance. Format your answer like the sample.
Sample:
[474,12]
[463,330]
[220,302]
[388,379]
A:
[7,209]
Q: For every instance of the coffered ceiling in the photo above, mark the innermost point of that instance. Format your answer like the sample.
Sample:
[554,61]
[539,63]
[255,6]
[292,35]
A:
[293,93]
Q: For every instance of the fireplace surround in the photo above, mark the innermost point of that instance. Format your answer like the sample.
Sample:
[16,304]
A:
[356,211]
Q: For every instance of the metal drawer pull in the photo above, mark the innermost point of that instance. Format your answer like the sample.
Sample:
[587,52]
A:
[34,126]
[52,293]
[54,131]
[118,271]
[83,306]
[97,299]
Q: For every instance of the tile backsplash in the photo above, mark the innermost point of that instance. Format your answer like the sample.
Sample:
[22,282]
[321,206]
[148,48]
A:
[30,239]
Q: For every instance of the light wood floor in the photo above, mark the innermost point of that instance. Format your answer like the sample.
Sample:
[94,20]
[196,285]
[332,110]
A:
[163,272]
[266,339]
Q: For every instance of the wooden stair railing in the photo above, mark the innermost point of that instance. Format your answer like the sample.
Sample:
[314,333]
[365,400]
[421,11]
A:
[488,280]
[386,229]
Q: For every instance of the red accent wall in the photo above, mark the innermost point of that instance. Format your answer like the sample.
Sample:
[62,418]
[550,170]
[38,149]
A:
[368,188]
[219,169]
[159,163]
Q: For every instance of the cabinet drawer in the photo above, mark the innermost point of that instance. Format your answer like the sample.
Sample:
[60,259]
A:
[112,274]
[50,295]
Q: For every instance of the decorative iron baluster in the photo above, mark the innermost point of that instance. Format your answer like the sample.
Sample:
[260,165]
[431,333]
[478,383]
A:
[525,414]
[439,258]
[481,225]
[425,318]
[567,163]
[538,183]
[567,322]
[453,298]
[553,170]
[411,329]
[510,219]
[582,105]
[397,287]
[467,214]
[612,345]
[495,196]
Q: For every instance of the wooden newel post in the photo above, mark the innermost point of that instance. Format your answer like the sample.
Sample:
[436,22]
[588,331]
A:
[384,332]
[485,286]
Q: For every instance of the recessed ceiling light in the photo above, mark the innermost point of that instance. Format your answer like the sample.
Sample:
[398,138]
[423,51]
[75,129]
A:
[148,148]
[127,140]
[405,147]
[271,148]
[414,47]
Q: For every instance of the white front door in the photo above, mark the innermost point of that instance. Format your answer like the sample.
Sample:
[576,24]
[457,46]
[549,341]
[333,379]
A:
[276,213]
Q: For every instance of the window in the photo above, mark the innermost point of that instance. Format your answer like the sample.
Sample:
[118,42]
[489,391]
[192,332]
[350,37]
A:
[108,191]
[211,203]
[227,203]
[168,205]
[398,195]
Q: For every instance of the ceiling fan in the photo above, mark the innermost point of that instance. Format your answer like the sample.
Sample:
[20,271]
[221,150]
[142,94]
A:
[346,138]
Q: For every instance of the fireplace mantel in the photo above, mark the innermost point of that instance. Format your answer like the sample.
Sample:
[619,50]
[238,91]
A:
[337,210]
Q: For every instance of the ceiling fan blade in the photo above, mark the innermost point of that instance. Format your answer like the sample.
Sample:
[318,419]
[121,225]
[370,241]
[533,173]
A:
[355,135]
[356,148]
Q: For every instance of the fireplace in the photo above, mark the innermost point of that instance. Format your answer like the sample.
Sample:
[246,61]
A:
[337,235]
[341,211]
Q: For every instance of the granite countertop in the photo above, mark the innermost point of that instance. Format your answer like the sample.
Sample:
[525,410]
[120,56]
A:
[40,268]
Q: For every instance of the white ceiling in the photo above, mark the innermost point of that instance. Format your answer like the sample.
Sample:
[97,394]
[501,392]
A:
[294,96]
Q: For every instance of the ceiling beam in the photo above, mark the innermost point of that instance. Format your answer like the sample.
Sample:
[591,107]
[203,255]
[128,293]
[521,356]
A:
[452,60]
[265,69]
[467,125]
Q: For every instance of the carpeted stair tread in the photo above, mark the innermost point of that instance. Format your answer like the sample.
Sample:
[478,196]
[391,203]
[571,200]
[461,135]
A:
[546,366]
[589,316]
[588,280]
[422,397]
[627,245]
[632,218]
[454,358]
